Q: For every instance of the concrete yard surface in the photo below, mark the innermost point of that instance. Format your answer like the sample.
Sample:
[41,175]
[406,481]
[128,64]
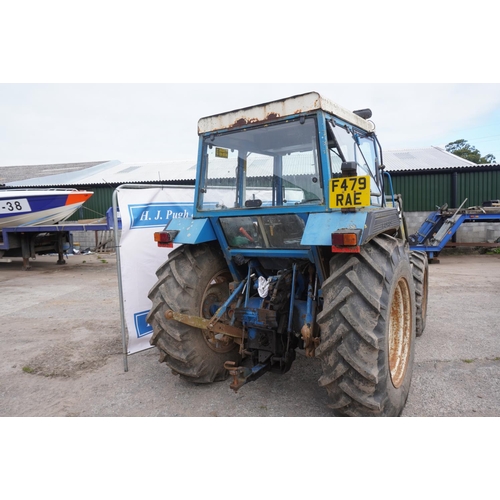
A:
[62,351]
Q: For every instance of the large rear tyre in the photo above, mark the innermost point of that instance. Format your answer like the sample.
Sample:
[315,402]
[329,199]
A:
[368,330]
[194,281]
[420,269]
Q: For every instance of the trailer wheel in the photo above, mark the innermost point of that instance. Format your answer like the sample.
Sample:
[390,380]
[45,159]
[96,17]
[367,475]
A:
[193,281]
[420,269]
[368,330]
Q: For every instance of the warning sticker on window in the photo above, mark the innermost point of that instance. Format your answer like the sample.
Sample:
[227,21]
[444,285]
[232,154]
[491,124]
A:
[221,153]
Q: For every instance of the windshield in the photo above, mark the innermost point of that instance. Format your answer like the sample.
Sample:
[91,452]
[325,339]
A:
[273,165]
[346,145]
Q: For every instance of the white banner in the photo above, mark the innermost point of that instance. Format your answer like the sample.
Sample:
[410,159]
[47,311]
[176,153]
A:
[143,212]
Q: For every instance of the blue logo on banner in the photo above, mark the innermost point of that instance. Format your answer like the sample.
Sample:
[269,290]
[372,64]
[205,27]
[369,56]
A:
[142,328]
[158,214]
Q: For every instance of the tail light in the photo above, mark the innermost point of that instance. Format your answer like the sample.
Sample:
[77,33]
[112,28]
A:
[165,239]
[346,241]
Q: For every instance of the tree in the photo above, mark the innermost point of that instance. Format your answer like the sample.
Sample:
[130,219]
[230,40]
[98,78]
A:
[463,149]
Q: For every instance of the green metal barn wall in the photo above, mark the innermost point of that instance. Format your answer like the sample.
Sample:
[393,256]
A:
[423,192]
[478,187]
[100,202]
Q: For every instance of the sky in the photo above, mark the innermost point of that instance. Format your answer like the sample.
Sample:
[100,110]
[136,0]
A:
[107,80]
[50,123]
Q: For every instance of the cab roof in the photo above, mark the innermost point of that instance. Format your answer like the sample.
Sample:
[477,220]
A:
[274,110]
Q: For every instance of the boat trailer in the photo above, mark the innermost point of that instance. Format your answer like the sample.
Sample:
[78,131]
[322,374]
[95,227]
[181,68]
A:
[29,241]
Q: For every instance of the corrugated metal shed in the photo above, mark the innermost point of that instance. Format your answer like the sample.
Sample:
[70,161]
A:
[116,173]
[23,172]
[433,158]
[425,189]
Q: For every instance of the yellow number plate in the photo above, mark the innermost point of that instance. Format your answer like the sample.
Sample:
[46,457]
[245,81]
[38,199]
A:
[350,192]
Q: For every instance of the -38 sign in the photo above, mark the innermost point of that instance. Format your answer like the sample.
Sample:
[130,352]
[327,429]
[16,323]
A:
[350,192]
[14,206]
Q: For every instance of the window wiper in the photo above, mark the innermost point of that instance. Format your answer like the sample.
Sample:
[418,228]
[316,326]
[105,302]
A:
[366,168]
[369,172]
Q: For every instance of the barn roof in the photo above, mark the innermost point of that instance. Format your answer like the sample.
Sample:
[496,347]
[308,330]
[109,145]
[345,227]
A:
[23,172]
[116,173]
[423,159]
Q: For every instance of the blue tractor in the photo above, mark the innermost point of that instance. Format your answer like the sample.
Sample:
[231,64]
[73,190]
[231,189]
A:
[293,245]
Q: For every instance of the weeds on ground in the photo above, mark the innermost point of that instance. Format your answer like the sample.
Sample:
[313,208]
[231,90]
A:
[497,358]
[27,369]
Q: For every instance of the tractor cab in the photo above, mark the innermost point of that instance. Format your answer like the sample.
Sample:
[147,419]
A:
[282,156]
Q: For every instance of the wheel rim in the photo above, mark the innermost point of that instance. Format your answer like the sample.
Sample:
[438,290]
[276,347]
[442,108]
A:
[400,332]
[216,293]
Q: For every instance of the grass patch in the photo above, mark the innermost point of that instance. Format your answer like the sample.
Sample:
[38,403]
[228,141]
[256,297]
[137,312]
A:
[468,360]
[104,261]
[27,369]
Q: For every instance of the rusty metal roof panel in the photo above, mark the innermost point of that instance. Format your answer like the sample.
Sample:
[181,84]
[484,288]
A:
[270,111]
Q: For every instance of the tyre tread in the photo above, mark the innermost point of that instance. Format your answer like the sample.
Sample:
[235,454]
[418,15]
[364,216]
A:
[181,346]
[352,325]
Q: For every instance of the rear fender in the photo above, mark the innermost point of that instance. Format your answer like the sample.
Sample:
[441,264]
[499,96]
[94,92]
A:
[192,231]
[320,226]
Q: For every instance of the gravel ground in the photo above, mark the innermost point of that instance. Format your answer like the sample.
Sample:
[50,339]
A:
[62,351]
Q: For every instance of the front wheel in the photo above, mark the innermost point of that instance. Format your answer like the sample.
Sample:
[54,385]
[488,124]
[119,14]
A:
[368,330]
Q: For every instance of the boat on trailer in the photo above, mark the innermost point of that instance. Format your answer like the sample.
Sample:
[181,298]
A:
[39,207]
